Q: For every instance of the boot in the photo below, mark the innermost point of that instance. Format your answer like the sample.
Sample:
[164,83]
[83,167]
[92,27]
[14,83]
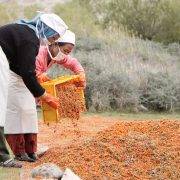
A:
[33,156]
[24,157]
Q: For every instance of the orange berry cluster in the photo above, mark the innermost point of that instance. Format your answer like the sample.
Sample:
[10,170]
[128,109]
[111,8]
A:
[71,100]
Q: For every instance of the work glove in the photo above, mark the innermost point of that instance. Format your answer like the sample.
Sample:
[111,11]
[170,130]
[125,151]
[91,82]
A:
[81,81]
[50,100]
[43,78]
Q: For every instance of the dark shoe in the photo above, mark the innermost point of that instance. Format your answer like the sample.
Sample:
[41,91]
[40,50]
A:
[11,163]
[24,157]
[33,156]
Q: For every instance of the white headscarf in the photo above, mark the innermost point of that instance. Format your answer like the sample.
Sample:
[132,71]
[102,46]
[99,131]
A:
[46,24]
[68,37]
[54,22]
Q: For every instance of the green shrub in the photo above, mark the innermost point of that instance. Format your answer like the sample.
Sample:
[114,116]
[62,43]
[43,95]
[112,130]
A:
[31,10]
[77,17]
[9,12]
[119,76]
[88,44]
[12,11]
[122,72]
[129,73]
[154,20]
[160,92]
[174,49]
[169,31]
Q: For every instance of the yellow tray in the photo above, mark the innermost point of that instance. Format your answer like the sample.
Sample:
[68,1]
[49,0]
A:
[49,114]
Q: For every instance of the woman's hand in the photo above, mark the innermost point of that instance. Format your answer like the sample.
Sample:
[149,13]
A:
[43,78]
[50,100]
[82,80]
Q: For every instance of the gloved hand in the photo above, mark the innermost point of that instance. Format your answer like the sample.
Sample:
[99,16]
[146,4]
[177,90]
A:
[82,80]
[43,78]
[50,100]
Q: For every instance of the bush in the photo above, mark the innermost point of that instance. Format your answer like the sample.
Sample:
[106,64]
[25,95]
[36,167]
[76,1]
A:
[8,12]
[154,20]
[13,11]
[127,74]
[131,73]
[160,92]
[77,17]
[174,49]
[31,10]
[123,72]
[111,91]
[88,44]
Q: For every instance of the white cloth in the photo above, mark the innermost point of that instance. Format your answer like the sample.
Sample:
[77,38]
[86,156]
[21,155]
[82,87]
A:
[4,79]
[68,37]
[21,115]
[69,175]
[54,22]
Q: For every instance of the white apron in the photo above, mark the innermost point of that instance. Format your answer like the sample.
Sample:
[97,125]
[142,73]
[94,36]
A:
[4,79]
[21,115]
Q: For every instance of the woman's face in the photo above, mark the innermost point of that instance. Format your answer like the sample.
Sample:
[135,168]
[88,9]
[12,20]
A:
[66,48]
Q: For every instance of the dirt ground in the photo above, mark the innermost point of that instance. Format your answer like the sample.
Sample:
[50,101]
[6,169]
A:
[112,148]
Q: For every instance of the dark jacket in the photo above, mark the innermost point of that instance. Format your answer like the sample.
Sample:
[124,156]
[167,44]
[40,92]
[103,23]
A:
[21,46]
